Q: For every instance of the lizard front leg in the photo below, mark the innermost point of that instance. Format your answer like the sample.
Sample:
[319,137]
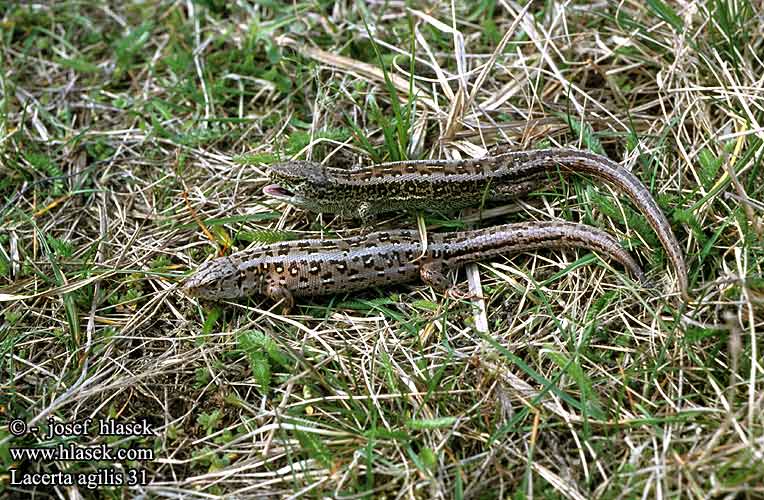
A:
[363,212]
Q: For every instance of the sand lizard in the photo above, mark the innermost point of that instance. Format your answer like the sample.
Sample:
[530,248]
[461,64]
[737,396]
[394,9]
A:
[317,267]
[363,192]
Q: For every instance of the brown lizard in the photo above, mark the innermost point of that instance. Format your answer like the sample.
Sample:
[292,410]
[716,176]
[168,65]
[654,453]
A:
[318,267]
[452,184]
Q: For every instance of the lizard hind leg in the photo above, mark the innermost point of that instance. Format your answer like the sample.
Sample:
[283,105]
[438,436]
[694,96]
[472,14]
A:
[432,275]
[276,292]
[514,190]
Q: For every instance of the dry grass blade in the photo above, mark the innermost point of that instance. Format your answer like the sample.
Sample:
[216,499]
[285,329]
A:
[364,70]
[489,66]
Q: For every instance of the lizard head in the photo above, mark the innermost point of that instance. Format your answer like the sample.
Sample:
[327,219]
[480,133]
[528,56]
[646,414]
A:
[222,278]
[299,183]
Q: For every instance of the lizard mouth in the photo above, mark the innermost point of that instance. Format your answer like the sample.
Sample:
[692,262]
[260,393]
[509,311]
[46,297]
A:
[277,191]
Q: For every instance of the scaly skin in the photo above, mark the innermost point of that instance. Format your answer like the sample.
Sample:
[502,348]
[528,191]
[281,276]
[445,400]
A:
[319,267]
[452,184]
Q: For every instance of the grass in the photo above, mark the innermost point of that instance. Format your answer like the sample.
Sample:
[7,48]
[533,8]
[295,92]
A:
[134,142]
